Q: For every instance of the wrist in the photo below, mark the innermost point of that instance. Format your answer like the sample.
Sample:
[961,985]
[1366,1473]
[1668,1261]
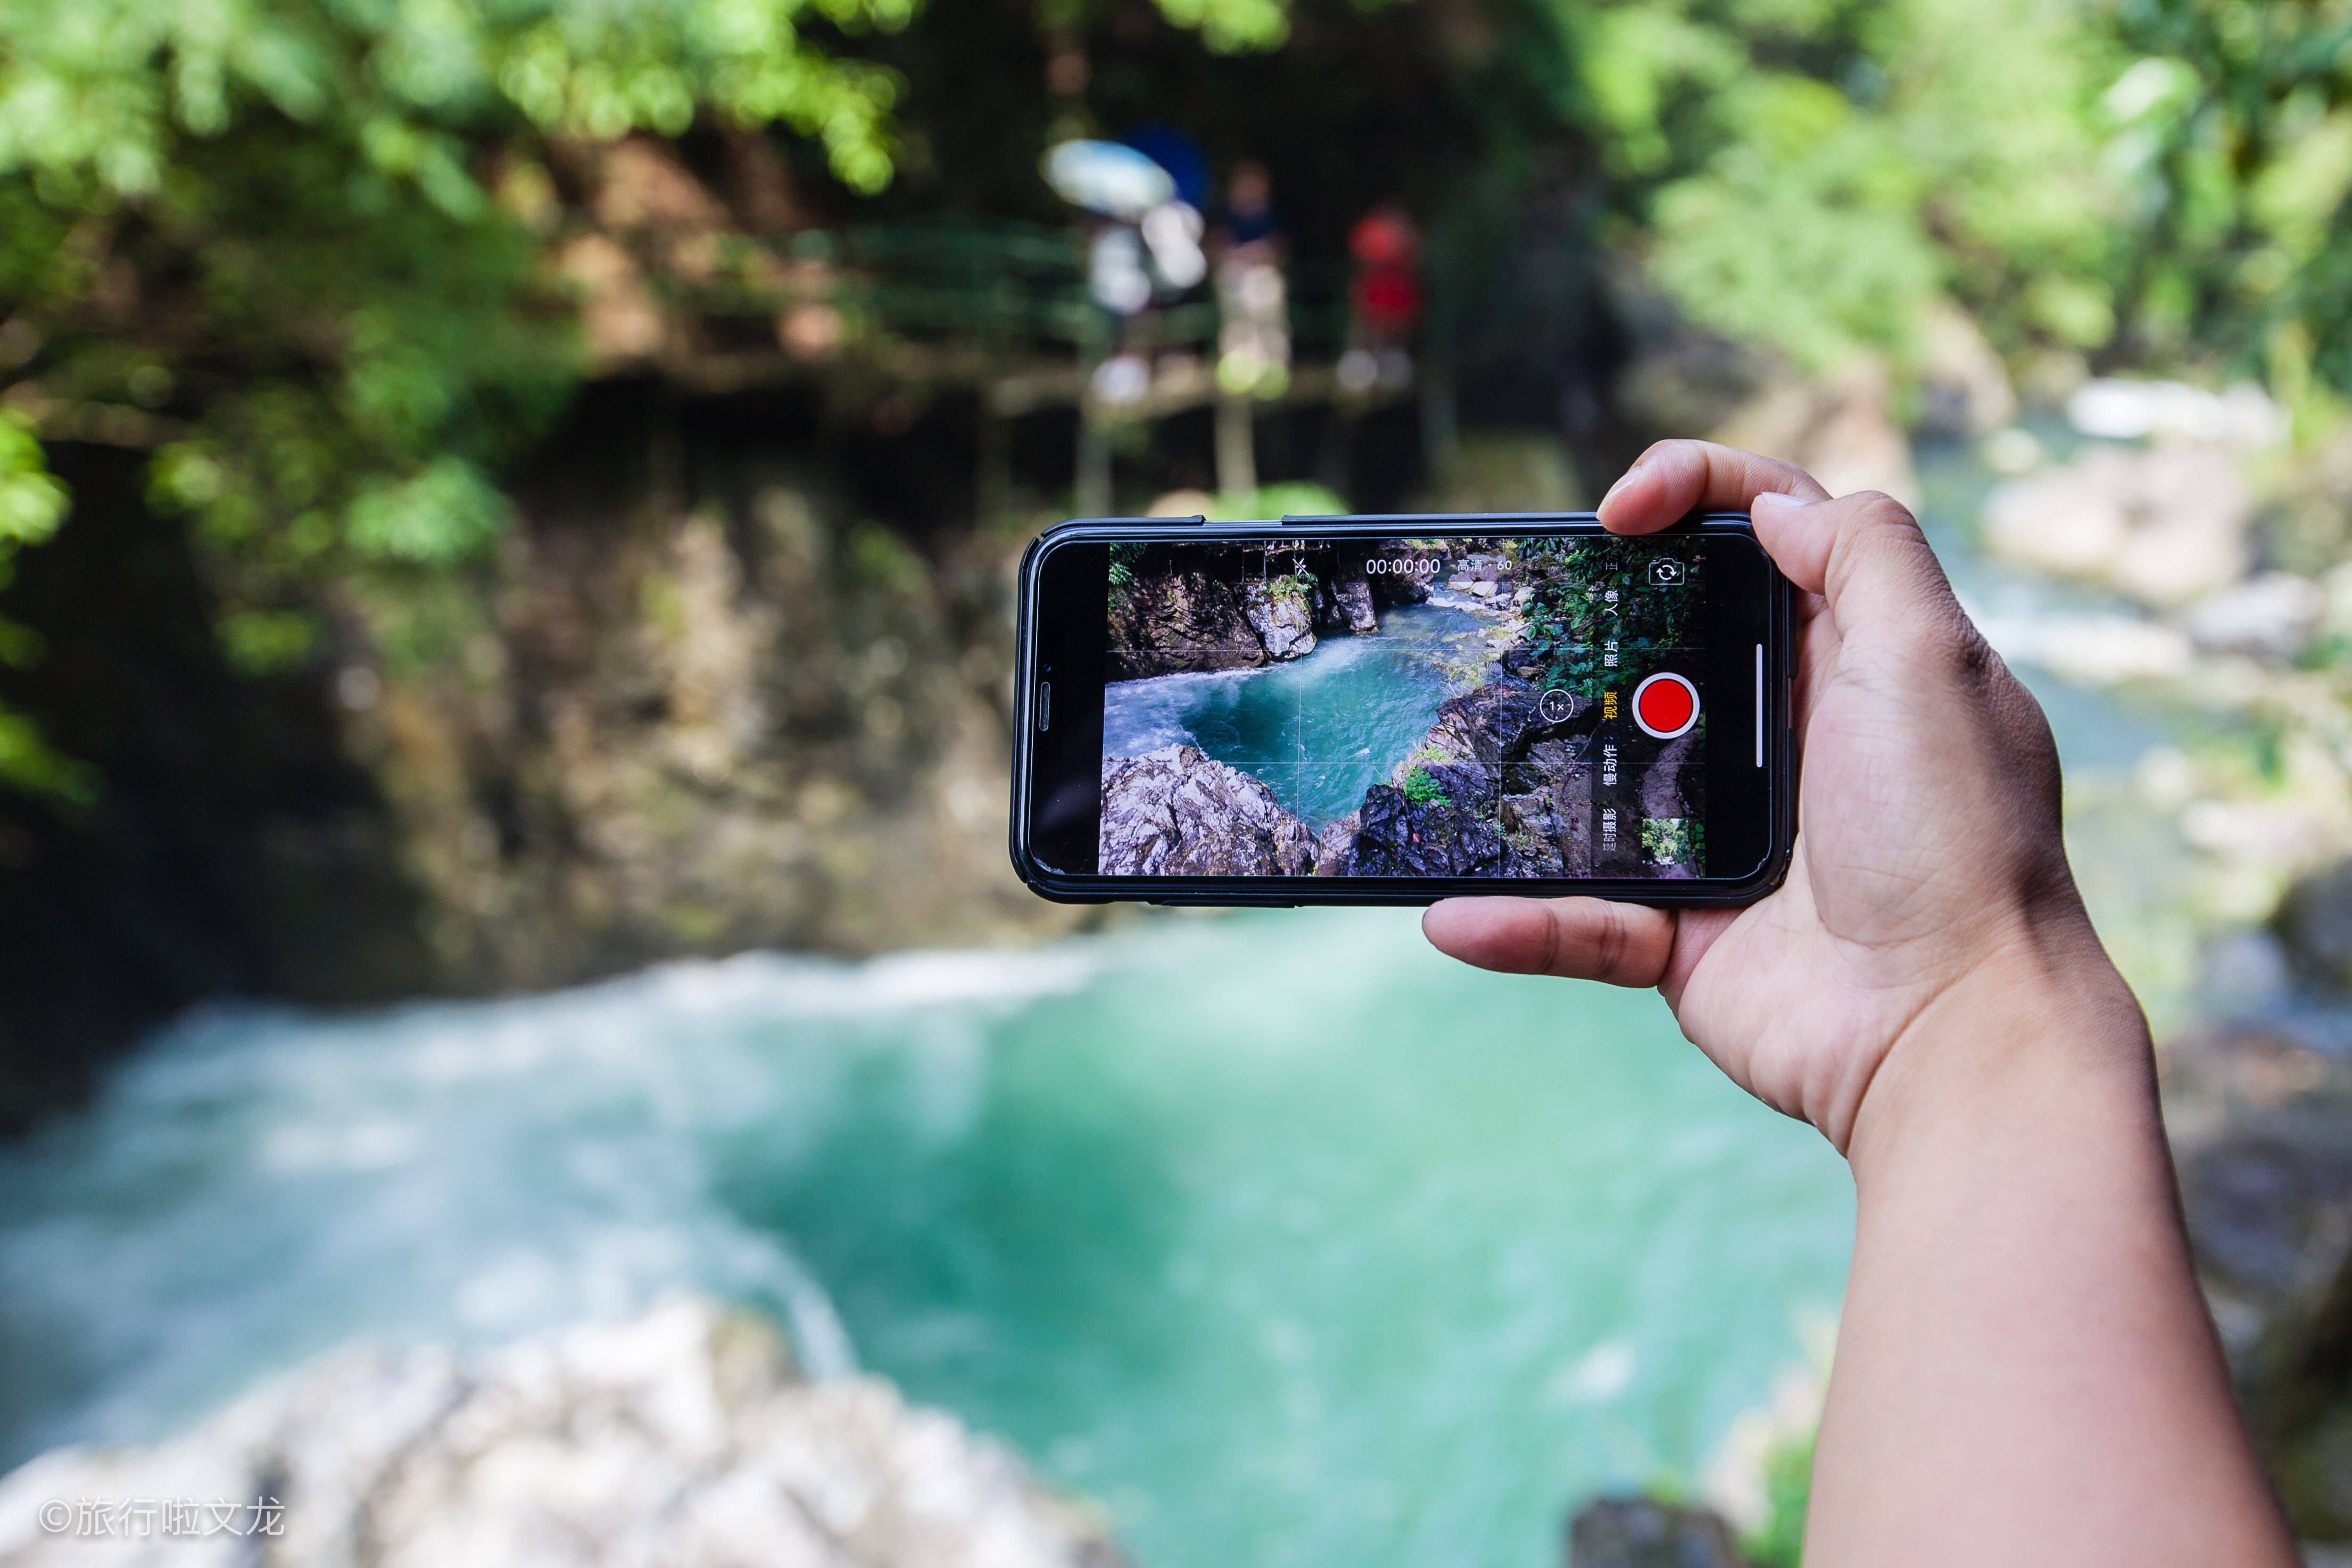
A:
[2039,1046]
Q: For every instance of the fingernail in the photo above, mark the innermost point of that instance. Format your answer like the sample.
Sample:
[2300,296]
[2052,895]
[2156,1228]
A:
[1774,501]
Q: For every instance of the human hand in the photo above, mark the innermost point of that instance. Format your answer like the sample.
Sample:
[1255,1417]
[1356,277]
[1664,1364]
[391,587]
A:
[1929,866]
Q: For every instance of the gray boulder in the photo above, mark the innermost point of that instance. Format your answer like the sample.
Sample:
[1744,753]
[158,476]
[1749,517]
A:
[682,1438]
[1451,833]
[1185,620]
[1637,1532]
[1353,602]
[1177,813]
[2315,925]
[1282,623]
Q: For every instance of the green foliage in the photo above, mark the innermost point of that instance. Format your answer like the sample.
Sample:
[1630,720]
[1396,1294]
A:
[1570,616]
[1816,176]
[1780,1540]
[1125,556]
[293,231]
[1232,26]
[32,503]
[1297,498]
[1669,840]
[2230,129]
[1423,789]
[878,557]
[266,641]
[441,516]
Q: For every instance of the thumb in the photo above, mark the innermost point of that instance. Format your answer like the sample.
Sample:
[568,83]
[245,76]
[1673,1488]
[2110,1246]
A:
[1862,553]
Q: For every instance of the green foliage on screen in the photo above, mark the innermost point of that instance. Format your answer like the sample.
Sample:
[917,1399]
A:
[1571,616]
[1422,788]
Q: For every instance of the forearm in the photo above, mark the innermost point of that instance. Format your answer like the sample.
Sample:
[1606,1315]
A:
[2025,1371]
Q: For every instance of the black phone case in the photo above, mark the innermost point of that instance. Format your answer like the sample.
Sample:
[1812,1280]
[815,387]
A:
[1290,892]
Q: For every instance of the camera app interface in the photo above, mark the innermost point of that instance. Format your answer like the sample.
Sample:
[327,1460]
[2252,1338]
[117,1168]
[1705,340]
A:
[1502,707]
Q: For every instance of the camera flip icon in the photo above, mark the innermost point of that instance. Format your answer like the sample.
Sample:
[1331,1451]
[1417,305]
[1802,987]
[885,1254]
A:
[1665,573]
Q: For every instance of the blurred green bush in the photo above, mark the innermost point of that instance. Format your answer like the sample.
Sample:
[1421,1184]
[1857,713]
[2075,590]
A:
[301,249]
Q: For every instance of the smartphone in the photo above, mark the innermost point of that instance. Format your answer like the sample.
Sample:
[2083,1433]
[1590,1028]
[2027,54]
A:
[1395,709]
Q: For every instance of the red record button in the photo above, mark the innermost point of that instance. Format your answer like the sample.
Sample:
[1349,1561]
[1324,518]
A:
[1665,706]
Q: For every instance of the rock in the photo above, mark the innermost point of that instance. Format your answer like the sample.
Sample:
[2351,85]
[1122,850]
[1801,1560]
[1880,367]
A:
[2099,650]
[2167,526]
[1637,1532]
[1524,814]
[2268,1200]
[1449,834]
[1353,600]
[1335,843]
[1282,622]
[2273,616]
[1483,588]
[681,1437]
[2315,925]
[1177,813]
[1176,621]
[1492,725]
[1836,428]
[1964,387]
[1557,768]
[2119,409]
[1532,833]
[1444,812]
[1392,586]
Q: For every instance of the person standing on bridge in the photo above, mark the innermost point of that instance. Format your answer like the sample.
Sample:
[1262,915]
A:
[1383,301]
[1253,338]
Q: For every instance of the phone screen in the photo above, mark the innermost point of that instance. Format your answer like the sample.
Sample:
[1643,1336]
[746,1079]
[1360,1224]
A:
[1540,705]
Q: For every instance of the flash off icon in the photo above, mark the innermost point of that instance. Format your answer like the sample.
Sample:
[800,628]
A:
[1665,573]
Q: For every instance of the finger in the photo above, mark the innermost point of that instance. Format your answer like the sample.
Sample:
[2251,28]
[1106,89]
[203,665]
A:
[1674,478]
[1576,938]
[1864,554]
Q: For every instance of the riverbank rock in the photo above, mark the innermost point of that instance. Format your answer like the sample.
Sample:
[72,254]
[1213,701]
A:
[1448,830]
[1492,725]
[684,1437]
[1836,427]
[1964,388]
[1171,621]
[1281,618]
[1177,813]
[2267,1192]
[1352,603]
[1640,1532]
[2166,525]
[1491,789]
[1335,842]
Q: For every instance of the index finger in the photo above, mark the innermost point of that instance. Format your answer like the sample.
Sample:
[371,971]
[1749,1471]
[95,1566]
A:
[1674,478]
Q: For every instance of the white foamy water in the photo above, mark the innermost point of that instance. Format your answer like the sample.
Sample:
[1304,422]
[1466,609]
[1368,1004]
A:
[1146,715]
[260,1182]
[1287,1239]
